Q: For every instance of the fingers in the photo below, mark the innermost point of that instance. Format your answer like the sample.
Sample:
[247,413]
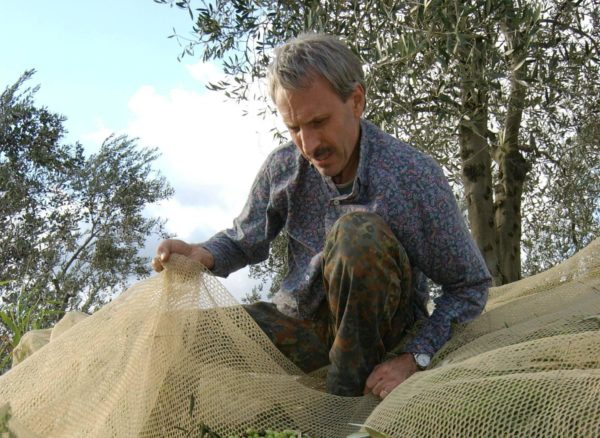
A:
[389,374]
[163,253]
[157,264]
[176,246]
[381,389]
[372,380]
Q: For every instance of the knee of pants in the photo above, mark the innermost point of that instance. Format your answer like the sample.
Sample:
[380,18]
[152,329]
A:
[358,234]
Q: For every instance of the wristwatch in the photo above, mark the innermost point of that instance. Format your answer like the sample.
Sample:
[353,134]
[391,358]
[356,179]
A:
[423,360]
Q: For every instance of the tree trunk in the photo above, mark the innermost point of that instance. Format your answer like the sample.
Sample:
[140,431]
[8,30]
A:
[512,165]
[476,163]
[477,180]
[512,172]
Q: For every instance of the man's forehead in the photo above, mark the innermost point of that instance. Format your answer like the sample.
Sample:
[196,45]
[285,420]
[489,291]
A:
[306,103]
[294,115]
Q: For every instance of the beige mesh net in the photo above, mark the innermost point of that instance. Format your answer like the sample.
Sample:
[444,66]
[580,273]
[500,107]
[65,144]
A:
[176,351]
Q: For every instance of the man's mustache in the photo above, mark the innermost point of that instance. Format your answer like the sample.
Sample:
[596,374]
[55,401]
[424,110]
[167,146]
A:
[321,152]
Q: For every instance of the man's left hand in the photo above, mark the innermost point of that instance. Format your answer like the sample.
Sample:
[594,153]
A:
[389,374]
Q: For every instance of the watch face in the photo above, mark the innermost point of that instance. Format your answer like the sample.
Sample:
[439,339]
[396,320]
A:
[422,360]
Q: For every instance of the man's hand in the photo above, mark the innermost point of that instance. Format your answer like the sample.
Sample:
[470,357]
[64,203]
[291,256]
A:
[389,374]
[175,246]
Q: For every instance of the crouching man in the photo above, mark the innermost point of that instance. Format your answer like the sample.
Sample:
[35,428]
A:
[367,217]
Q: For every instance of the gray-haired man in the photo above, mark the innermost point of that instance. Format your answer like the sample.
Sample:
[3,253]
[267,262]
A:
[366,216]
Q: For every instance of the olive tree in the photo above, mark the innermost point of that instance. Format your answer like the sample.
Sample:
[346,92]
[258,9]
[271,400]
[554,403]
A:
[495,90]
[72,225]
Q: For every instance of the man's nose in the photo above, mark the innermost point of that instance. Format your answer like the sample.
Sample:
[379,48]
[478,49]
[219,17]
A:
[310,140]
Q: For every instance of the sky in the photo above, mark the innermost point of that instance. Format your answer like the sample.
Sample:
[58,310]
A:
[109,67]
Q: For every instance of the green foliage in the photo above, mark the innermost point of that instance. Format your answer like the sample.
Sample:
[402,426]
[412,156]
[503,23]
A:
[5,415]
[72,224]
[203,431]
[510,82]
[18,316]
[268,433]
[563,225]
[272,271]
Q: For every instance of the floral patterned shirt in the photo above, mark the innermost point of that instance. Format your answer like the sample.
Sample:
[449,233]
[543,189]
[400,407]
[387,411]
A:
[402,185]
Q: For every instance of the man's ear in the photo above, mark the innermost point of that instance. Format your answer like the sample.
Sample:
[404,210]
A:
[358,100]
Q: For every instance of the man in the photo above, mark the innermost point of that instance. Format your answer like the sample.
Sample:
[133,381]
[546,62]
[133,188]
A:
[366,216]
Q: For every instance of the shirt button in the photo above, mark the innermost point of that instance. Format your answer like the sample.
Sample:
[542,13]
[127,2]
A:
[307,277]
[336,202]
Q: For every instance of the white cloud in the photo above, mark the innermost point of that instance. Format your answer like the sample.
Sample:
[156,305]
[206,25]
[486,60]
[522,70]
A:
[204,139]
[205,72]
[187,221]
[211,153]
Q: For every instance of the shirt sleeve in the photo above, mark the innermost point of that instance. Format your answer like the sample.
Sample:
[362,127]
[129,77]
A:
[247,241]
[447,254]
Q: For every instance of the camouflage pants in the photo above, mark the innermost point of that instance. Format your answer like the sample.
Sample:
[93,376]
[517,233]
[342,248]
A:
[367,311]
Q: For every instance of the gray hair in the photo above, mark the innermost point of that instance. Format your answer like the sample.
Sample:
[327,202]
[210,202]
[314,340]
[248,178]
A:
[297,61]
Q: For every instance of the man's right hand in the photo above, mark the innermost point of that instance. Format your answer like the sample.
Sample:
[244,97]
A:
[176,246]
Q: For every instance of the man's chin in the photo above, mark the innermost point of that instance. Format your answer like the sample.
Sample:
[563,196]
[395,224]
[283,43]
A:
[322,166]
[326,171]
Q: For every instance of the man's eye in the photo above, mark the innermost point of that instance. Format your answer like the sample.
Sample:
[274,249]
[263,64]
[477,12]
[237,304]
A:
[320,123]
[294,129]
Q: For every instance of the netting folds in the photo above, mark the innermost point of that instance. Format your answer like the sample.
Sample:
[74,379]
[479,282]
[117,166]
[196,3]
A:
[176,351]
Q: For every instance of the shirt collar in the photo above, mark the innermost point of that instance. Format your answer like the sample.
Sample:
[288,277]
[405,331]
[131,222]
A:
[362,173]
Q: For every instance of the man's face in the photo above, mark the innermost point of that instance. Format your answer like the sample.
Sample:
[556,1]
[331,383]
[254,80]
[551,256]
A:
[325,128]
